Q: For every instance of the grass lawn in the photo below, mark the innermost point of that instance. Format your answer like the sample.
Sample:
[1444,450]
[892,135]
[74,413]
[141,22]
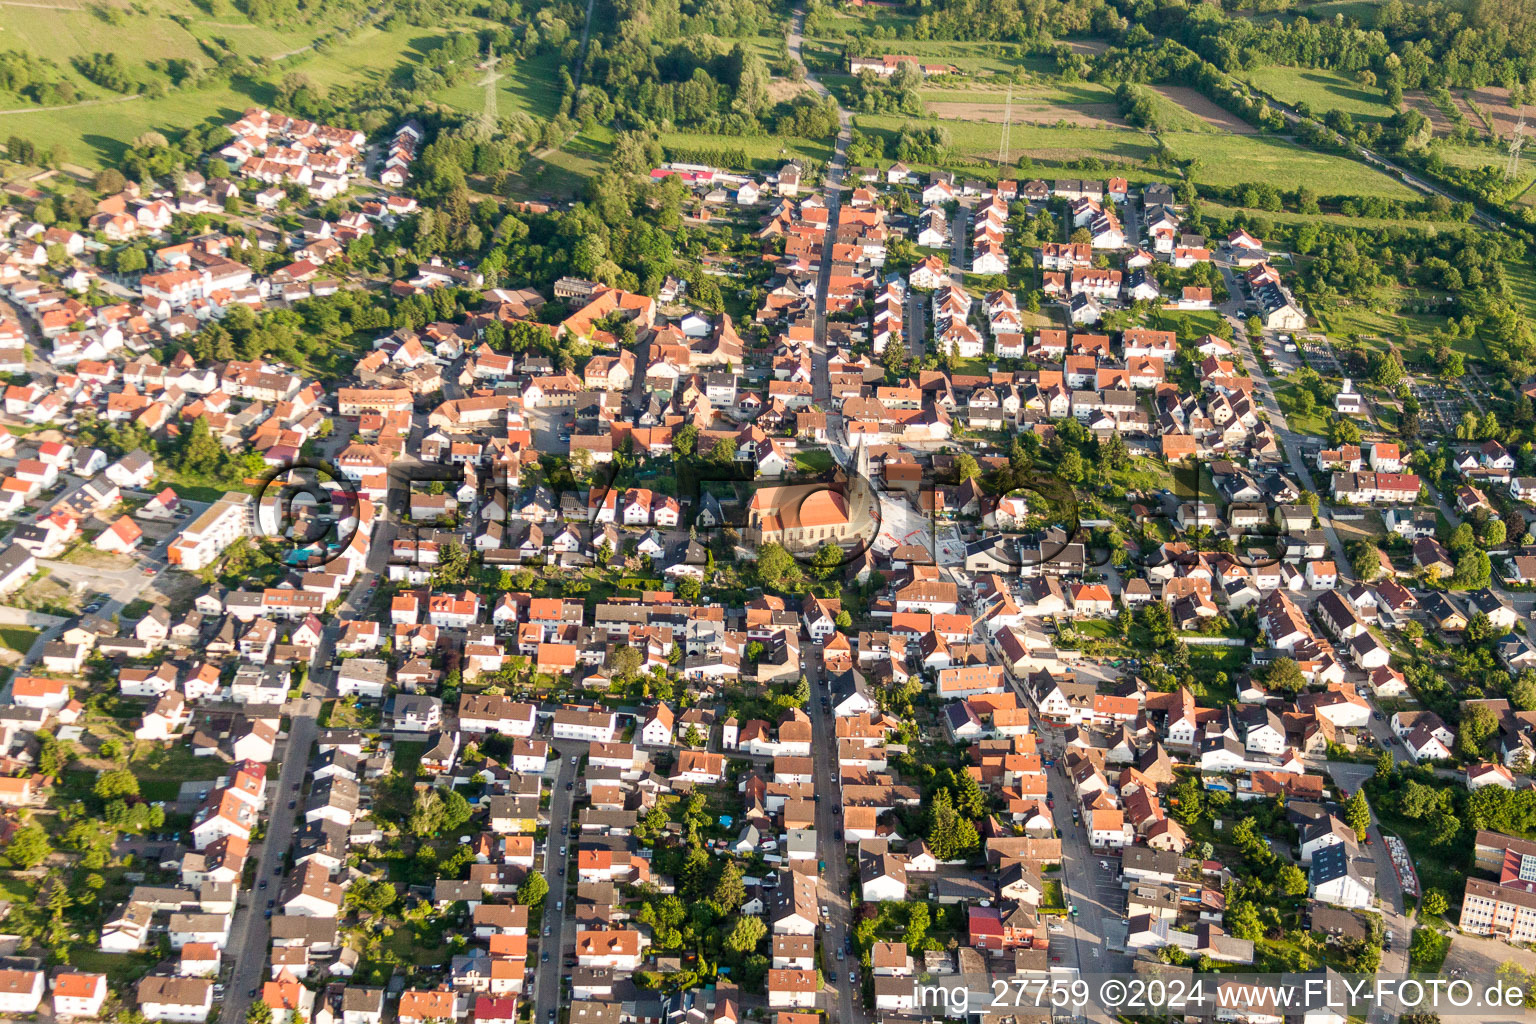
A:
[120,968]
[1323,90]
[1314,422]
[18,638]
[1241,159]
[191,490]
[177,764]
[813,461]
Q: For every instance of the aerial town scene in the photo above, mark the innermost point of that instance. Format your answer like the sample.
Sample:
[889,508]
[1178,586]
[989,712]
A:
[832,512]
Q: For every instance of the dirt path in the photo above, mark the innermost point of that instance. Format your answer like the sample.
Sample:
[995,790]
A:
[1196,103]
[70,106]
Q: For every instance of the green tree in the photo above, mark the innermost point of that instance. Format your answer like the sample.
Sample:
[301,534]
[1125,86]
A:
[1435,902]
[258,1013]
[966,467]
[1365,559]
[452,565]
[1478,726]
[1186,800]
[533,890]
[730,891]
[1290,880]
[116,784]
[456,811]
[776,567]
[1071,467]
[427,814]
[745,934]
[1285,676]
[1357,814]
[29,847]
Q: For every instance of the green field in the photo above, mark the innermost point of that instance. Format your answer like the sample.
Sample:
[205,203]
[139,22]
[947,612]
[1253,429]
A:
[524,86]
[1389,318]
[95,132]
[764,151]
[1242,159]
[1522,284]
[979,140]
[1356,223]
[157,30]
[18,638]
[1322,90]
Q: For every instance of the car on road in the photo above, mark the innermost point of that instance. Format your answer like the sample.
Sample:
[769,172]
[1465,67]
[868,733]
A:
[839,956]
[546,931]
[564,829]
[269,915]
[272,903]
[251,994]
[559,905]
[570,786]
[574,760]
[544,959]
[263,884]
[292,804]
[832,977]
[1055,928]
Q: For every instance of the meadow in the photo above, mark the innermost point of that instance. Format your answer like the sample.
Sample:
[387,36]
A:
[1226,159]
[96,131]
[1322,90]
[978,140]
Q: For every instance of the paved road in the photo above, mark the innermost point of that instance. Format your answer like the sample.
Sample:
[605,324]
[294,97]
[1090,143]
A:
[1094,889]
[558,923]
[840,1000]
[917,323]
[1290,441]
[248,945]
[833,182]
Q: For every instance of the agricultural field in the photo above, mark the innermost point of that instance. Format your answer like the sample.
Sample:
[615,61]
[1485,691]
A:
[1322,90]
[1183,109]
[1080,104]
[979,140]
